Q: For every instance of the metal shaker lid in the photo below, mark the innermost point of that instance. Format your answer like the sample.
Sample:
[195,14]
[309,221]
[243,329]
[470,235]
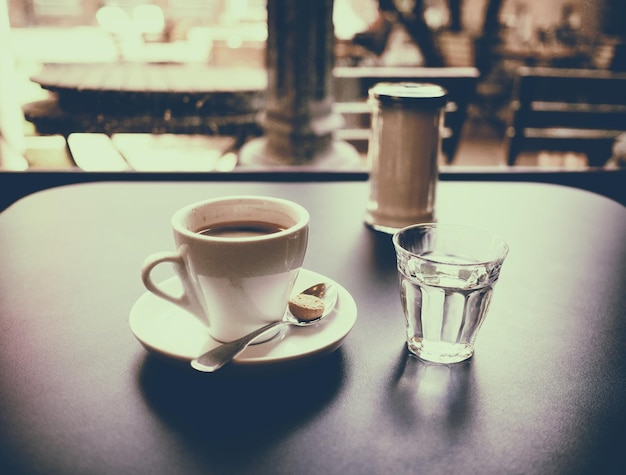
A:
[409,94]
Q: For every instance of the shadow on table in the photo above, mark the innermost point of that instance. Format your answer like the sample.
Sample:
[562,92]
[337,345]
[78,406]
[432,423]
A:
[383,254]
[428,393]
[240,408]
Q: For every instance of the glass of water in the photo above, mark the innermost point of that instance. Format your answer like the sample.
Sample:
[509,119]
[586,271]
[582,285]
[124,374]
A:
[446,274]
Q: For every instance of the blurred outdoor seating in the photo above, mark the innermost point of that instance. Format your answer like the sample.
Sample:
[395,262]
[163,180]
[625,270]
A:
[210,96]
[581,110]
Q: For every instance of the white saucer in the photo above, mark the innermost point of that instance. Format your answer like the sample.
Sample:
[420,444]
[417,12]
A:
[165,329]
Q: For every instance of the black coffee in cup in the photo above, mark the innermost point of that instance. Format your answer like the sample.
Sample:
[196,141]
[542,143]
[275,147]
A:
[241,229]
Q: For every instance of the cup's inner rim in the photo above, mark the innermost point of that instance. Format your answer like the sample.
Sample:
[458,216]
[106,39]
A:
[292,216]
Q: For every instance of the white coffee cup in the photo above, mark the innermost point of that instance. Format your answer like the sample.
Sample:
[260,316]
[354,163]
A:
[236,277]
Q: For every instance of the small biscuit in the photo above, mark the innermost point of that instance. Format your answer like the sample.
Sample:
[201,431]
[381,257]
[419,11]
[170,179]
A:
[306,307]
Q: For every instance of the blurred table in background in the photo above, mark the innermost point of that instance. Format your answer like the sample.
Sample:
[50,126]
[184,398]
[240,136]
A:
[147,98]
[174,98]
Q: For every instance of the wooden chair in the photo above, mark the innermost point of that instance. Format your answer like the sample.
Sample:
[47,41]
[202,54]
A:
[579,110]
[351,85]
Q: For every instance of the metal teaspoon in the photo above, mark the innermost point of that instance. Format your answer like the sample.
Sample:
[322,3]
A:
[217,357]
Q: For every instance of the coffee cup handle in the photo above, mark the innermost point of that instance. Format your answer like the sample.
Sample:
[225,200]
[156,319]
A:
[187,300]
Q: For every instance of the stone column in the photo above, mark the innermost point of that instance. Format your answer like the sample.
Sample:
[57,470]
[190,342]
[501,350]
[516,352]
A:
[298,120]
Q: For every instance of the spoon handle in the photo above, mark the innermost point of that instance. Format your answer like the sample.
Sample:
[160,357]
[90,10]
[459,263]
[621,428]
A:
[214,359]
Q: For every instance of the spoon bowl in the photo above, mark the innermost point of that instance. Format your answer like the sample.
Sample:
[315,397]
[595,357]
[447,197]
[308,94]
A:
[214,359]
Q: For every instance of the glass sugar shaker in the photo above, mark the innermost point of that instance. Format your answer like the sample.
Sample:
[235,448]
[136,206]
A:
[404,147]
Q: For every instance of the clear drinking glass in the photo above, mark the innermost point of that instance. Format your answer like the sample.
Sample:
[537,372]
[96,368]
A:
[446,275]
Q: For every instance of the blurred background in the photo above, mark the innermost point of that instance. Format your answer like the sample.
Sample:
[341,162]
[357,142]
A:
[495,36]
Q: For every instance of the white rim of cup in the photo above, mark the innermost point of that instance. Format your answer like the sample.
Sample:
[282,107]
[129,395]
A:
[179,216]
[495,237]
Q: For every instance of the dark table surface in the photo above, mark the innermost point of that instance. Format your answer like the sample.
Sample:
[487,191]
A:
[545,392]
